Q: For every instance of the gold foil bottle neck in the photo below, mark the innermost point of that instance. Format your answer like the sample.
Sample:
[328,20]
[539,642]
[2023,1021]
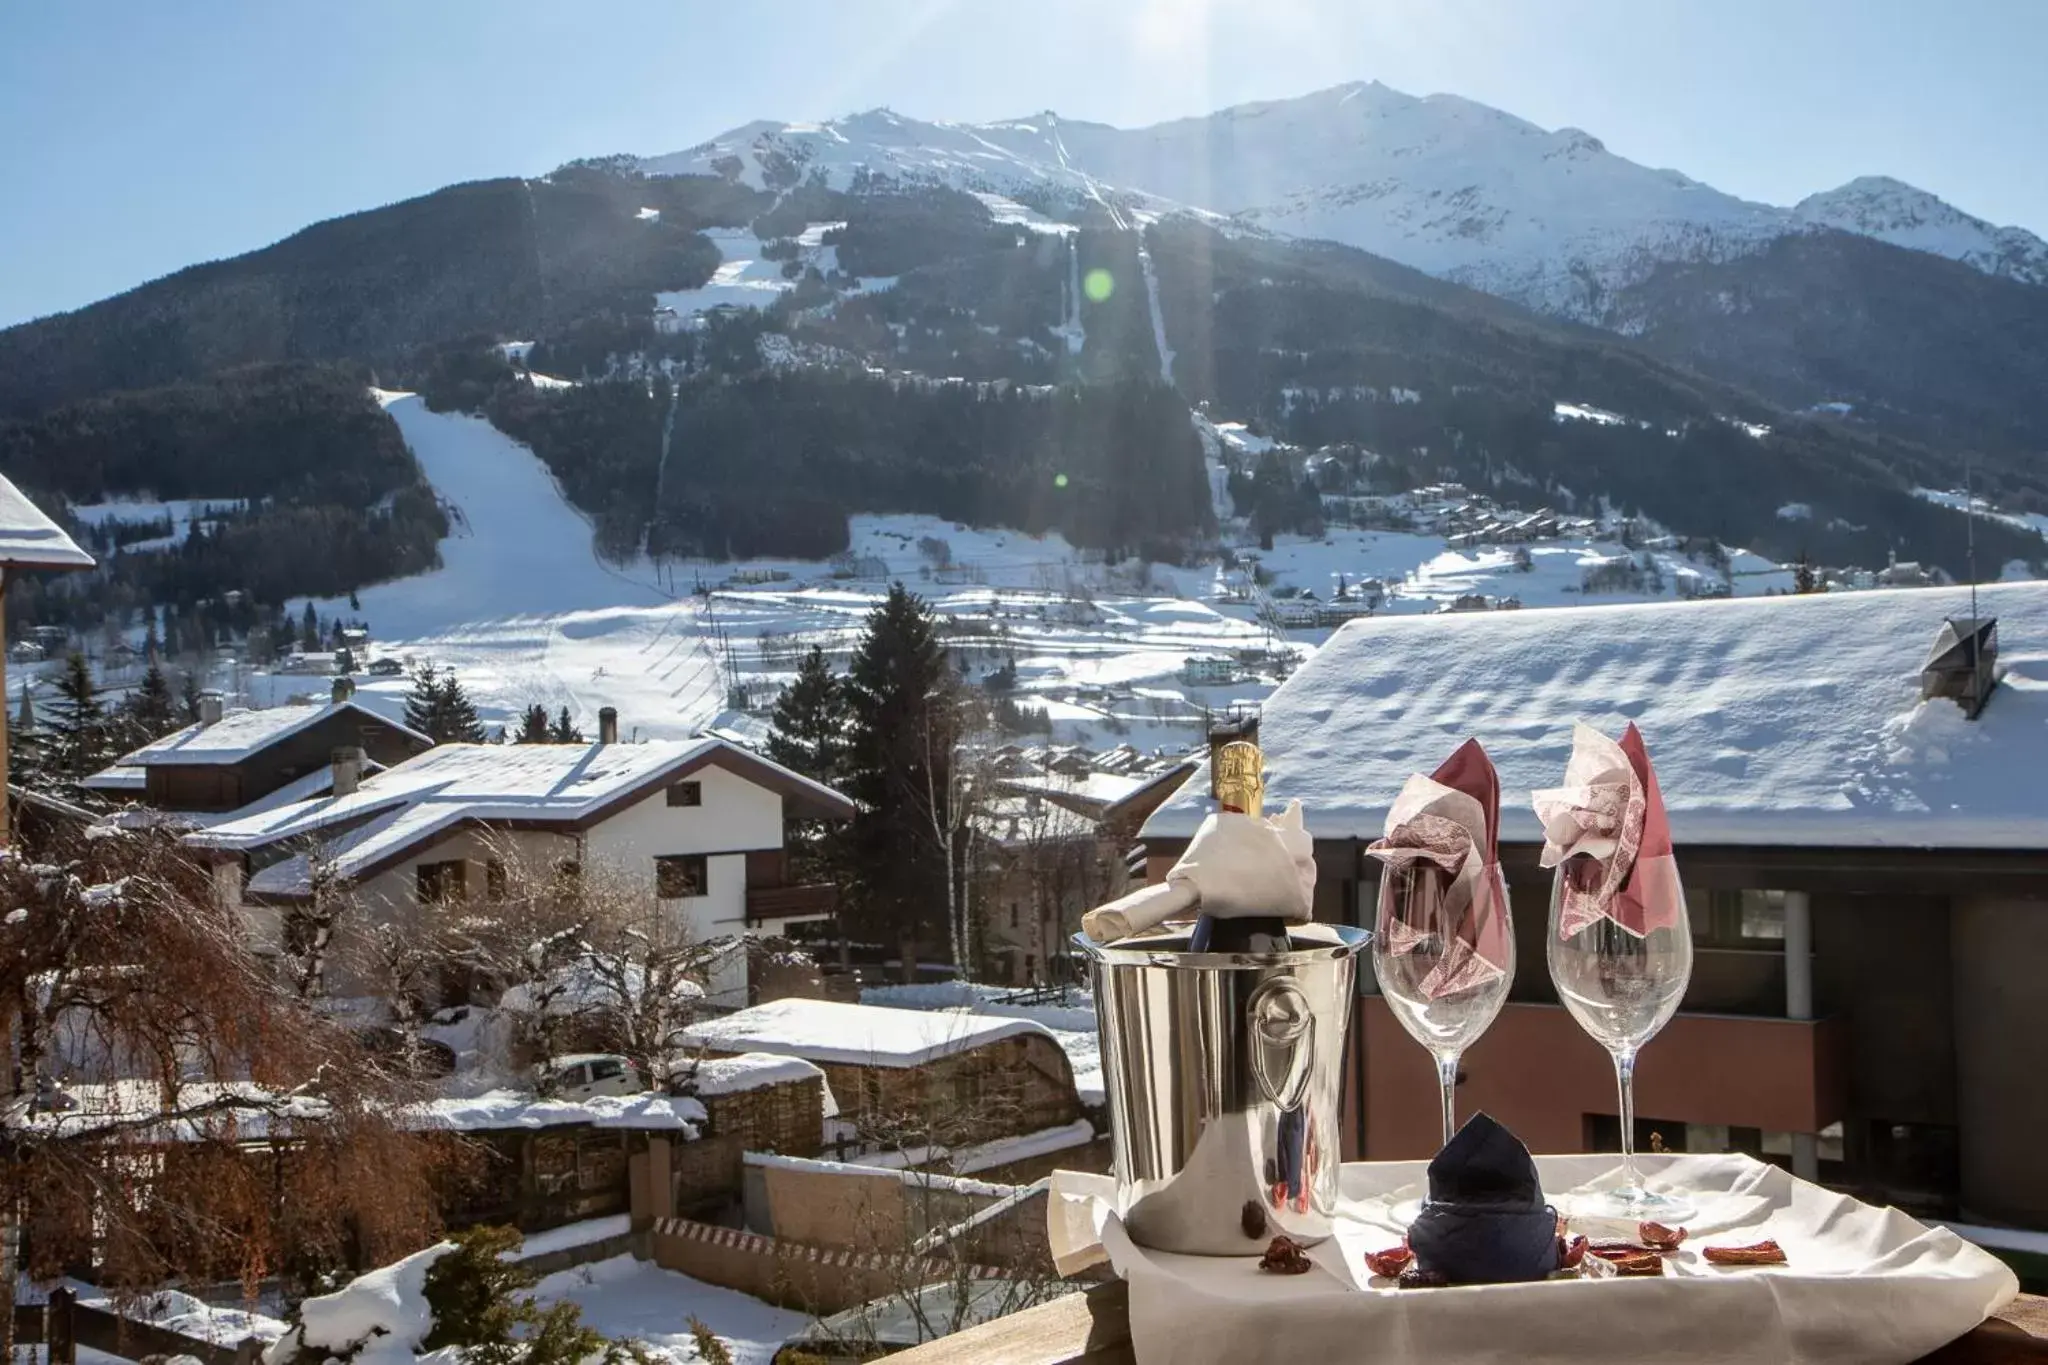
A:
[1241,778]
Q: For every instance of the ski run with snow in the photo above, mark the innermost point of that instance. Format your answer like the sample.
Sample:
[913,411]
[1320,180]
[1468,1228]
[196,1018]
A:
[524,612]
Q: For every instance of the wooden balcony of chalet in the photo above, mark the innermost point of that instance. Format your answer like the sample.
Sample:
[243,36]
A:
[773,897]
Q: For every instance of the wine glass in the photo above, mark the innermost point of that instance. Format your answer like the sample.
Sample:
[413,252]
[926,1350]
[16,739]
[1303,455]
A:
[1426,958]
[1622,988]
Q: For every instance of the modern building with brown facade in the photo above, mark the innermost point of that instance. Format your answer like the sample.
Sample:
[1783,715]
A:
[1858,791]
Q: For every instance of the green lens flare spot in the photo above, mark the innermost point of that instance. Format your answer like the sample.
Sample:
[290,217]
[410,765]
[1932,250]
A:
[1098,284]
[1059,481]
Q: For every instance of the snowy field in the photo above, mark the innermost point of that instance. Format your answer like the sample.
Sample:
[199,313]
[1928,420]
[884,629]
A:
[524,611]
[639,1301]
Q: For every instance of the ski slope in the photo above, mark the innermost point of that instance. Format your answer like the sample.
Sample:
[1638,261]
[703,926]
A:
[523,611]
[515,546]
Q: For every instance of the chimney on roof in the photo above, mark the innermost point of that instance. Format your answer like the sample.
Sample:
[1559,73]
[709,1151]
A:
[348,770]
[209,708]
[607,725]
[344,688]
[1963,664]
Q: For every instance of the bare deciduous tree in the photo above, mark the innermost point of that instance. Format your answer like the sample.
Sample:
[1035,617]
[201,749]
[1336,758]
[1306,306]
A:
[603,959]
[174,1108]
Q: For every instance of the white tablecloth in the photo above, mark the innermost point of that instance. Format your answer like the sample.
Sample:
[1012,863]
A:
[1862,1284]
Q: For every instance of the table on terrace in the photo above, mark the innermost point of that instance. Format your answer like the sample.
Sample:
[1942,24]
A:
[1093,1328]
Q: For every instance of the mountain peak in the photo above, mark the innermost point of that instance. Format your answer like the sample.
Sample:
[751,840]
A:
[1905,215]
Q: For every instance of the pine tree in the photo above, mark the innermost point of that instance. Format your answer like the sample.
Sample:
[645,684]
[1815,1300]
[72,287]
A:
[150,708]
[438,708]
[565,731]
[899,770]
[810,721]
[460,721]
[188,698]
[423,703]
[80,743]
[28,749]
[533,727]
[309,630]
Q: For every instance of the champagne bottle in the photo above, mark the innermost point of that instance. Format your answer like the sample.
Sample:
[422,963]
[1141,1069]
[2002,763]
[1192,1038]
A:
[1240,788]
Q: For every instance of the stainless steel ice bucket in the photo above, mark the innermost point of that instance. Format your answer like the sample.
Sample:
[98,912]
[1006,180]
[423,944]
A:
[1224,1072]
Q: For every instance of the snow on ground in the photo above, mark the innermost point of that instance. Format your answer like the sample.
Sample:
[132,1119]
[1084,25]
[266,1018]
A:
[181,1312]
[1424,576]
[514,541]
[659,643]
[638,1300]
[1961,501]
[1005,210]
[1579,412]
[524,612]
[747,278]
[574,1235]
[181,513]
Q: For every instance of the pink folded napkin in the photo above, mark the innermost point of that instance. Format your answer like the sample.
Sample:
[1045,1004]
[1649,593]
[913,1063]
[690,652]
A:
[1607,822]
[1451,821]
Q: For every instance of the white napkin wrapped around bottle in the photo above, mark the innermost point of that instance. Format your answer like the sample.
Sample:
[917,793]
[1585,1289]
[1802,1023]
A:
[1236,867]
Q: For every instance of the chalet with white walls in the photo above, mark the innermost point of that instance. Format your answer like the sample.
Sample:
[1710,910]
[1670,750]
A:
[697,825]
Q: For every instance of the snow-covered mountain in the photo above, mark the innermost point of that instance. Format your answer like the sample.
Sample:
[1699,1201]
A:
[1893,211]
[1444,184]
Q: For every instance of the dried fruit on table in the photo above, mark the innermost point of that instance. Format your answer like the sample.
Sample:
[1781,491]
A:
[1390,1262]
[1659,1236]
[1757,1253]
[1570,1253]
[1415,1277]
[1252,1218]
[1285,1257]
[1627,1258]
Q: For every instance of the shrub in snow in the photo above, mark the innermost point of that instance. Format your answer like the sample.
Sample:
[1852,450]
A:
[459,1301]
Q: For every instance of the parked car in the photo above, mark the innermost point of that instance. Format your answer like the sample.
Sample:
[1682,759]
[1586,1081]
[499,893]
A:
[586,1074]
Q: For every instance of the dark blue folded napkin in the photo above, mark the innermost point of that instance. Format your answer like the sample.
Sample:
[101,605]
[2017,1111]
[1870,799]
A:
[1485,1222]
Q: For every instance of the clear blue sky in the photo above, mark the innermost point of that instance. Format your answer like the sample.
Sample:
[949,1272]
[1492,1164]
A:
[139,137]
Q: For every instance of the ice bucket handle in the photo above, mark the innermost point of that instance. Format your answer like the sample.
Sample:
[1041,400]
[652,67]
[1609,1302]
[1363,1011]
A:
[1283,1031]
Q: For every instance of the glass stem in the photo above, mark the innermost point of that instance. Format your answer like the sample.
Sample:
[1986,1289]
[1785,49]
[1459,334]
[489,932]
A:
[1625,1079]
[1447,1078]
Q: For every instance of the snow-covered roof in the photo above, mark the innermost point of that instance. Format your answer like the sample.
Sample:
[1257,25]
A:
[29,539]
[241,733]
[120,777]
[1096,789]
[1014,821]
[522,1109]
[417,801]
[1786,721]
[312,784]
[857,1035]
[751,1071]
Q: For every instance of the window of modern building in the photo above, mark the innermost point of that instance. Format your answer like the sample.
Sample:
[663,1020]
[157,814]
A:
[681,875]
[442,883]
[686,793]
[1737,919]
